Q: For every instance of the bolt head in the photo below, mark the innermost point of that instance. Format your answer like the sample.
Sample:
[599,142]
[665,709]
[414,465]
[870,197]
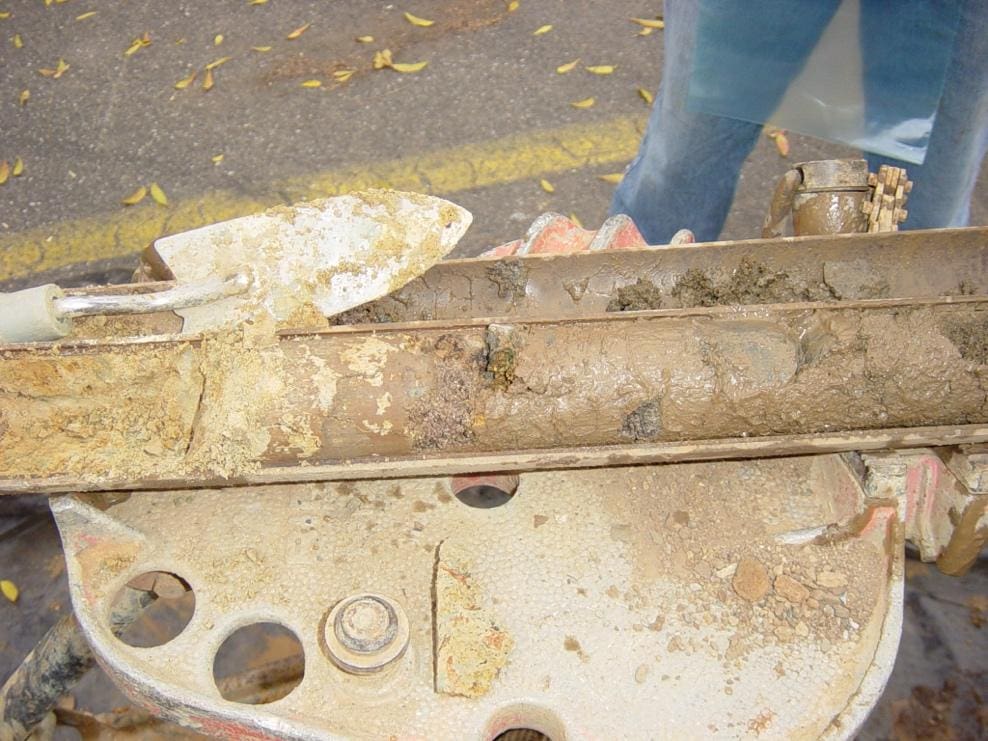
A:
[366,632]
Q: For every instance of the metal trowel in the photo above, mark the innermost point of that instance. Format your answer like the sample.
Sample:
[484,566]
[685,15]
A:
[287,265]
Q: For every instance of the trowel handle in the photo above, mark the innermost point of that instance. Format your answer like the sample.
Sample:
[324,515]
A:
[44,313]
[32,315]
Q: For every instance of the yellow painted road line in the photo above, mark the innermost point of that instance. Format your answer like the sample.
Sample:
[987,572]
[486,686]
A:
[443,172]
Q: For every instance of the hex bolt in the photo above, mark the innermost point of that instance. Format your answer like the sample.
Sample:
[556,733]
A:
[366,632]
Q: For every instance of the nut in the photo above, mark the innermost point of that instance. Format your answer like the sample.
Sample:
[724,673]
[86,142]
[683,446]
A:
[366,632]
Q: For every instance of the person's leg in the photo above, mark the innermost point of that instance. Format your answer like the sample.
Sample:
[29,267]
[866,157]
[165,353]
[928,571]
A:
[687,167]
[943,184]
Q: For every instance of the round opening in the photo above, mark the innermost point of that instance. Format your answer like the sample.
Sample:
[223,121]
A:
[152,609]
[258,664]
[485,491]
[522,734]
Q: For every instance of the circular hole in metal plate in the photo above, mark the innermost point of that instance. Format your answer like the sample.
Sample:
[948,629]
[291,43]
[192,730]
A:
[173,603]
[522,734]
[258,664]
[485,491]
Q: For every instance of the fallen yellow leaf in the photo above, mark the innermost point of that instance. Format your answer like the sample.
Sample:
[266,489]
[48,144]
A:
[298,32]
[585,103]
[547,186]
[84,16]
[186,81]
[576,220]
[312,83]
[9,589]
[217,158]
[261,48]
[365,39]
[138,44]
[217,39]
[343,74]
[649,22]
[401,67]
[614,177]
[601,69]
[18,41]
[382,59]
[542,29]
[158,195]
[207,81]
[416,21]
[24,97]
[645,95]
[18,168]
[780,139]
[257,2]
[136,197]
[4,172]
[60,69]
[644,32]
[217,62]
[513,6]
[4,15]
[562,69]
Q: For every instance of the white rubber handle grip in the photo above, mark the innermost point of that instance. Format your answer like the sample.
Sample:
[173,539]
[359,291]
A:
[31,316]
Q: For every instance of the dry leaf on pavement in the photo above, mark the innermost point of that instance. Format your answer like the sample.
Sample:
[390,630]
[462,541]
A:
[614,177]
[312,83]
[601,69]
[562,69]
[18,168]
[298,32]
[136,197]
[187,80]
[585,103]
[547,186]
[542,29]
[207,81]
[416,21]
[158,195]
[4,172]
[405,67]
[646,95]
[382,59]
[9,590]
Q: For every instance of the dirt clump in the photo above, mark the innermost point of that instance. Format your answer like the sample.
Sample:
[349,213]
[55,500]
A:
[501,354]
[444,417]
[642,295]
[750,283]
[751,579]
[969,337]
[510,277]
[790,589]
[644,423]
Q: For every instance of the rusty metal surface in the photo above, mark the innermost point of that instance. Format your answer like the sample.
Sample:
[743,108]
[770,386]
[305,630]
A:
[622,604]
[930,263]
[233,407]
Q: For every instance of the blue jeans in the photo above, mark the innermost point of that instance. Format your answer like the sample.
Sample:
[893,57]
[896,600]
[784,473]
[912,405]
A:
[687,167]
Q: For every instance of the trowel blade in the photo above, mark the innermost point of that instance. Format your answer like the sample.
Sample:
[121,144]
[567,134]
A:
[316,258]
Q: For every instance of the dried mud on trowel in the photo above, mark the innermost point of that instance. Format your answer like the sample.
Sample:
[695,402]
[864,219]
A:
[313,260]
